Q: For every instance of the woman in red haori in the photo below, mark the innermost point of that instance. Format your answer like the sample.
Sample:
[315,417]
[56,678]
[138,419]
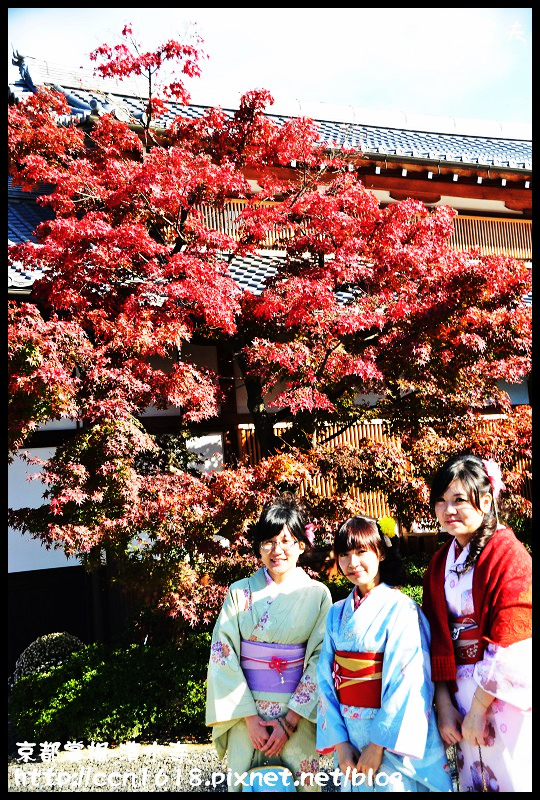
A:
[477,598]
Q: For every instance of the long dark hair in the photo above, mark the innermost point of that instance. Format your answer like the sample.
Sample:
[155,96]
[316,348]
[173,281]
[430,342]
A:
[362,533]
[470,470]
[281,510]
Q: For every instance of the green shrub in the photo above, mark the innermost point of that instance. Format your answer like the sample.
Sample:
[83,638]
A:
[46,651]
[415,567]
[340,587]
[522,527]
[143,692]
[413,591]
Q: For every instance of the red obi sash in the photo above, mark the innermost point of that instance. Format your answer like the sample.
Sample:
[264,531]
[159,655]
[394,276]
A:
[466,640]
[358,678]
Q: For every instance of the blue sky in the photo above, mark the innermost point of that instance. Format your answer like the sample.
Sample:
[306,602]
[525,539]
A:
[466,63]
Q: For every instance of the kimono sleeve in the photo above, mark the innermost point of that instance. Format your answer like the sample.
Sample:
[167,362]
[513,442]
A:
[506,673]
[305,697]
[401,724]
[331,729]
[228,696]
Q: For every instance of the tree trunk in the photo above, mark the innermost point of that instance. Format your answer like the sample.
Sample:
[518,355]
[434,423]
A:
[264,424]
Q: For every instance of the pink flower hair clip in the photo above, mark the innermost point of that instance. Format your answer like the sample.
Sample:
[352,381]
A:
[310,532]
[495,476]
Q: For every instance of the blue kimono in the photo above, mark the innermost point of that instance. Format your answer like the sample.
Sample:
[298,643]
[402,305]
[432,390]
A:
[389,622]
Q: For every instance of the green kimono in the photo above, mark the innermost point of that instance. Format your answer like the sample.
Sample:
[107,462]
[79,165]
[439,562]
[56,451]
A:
[257,609]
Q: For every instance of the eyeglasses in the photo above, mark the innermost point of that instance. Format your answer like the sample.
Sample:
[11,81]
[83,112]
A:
[285,544]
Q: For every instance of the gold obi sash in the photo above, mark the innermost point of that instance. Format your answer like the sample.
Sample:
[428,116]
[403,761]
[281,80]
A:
[358,678]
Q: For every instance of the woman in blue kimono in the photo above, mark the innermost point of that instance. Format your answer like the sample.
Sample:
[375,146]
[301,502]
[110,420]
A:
[375,689]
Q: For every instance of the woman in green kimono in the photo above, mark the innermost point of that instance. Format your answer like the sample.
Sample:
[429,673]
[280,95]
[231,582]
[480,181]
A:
[262,689]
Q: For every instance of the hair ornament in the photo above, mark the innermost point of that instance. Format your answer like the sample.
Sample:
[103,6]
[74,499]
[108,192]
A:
[387,529]
[494,474]
[310,532]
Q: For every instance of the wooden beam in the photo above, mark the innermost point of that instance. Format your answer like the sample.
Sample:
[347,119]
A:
[514,198]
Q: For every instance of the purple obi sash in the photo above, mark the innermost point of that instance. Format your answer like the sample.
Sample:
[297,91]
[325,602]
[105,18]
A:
[272,667]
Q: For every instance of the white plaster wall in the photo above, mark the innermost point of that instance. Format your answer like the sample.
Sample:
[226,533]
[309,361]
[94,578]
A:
[209,451]
[25,553]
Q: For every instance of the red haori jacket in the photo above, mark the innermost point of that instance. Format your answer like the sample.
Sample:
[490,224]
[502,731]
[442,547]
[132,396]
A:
[502,596]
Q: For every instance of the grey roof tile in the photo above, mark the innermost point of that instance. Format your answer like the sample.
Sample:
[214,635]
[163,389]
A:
[250,272]
[86,91]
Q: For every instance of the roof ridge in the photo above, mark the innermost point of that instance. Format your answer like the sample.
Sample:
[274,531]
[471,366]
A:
[40,71]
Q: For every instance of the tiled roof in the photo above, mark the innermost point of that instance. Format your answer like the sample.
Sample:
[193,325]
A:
[87,94]
[23,217]
[453,148]
[251,271]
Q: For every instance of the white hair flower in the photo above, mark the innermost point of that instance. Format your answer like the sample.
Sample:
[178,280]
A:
[495,476]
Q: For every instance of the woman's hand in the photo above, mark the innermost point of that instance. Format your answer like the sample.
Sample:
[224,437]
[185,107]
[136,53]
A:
[449,719]
[473,726]
[277,737]
[256,728]
[370,759]
[348,757]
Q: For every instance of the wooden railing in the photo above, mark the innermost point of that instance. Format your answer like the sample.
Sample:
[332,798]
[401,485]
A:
[492,236]
[374,503]
[224,221]
[510,237]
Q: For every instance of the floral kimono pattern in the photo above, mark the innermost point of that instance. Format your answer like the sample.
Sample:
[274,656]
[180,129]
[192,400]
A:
[504,763]
[257,609]
[388,622]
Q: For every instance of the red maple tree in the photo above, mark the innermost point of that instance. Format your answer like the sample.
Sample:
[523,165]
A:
[370,314]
